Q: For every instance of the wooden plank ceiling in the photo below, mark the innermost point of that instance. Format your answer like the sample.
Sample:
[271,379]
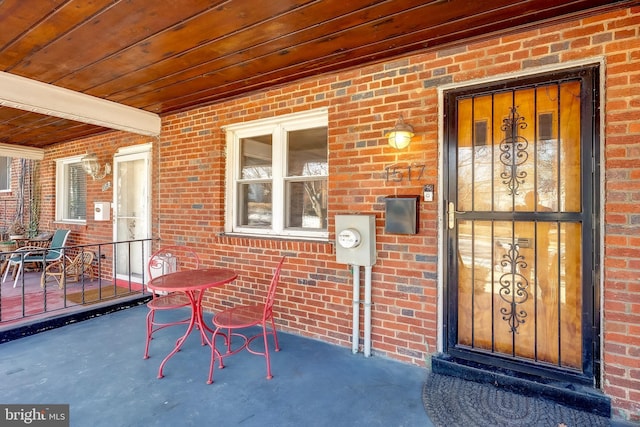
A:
[164,57]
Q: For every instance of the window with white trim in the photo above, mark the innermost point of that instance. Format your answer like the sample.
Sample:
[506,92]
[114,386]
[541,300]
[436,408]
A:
[5,173]
[71,190]
[277,175]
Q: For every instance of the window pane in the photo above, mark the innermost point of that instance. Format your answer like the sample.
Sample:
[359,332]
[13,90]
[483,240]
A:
[307,204]
[255,157]
[76,207]
[279,176]
[5,173]
[255,205]
[307,155]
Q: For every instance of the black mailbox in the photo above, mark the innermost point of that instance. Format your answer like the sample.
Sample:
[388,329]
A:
[401,214]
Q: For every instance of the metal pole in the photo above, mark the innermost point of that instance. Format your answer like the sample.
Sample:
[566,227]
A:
[356,309]
[367,311]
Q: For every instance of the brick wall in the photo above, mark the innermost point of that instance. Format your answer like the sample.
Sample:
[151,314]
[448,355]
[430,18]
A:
[104,146]
[363,103]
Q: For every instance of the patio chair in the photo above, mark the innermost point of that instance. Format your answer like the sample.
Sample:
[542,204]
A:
[167,260]
[68,269]
[232,320]
[37,255]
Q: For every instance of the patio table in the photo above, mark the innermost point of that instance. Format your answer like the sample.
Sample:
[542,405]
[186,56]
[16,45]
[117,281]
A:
[193,283]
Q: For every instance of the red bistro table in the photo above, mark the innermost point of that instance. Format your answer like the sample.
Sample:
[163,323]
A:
[193,283]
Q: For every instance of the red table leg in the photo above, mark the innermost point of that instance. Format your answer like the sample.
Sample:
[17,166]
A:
[195,298]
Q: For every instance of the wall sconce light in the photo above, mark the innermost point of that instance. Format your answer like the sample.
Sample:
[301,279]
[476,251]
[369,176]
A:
[400,136]
[92,167]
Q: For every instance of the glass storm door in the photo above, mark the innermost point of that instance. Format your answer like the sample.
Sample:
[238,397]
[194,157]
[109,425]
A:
[132,213]
[520,226]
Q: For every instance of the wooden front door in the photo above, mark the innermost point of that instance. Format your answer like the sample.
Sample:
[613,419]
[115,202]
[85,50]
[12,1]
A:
[521,225]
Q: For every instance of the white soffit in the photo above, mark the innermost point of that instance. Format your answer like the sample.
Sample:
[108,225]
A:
[20,152]
[31,95]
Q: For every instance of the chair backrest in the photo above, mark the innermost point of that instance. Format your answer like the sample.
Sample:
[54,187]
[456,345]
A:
[172,258]
[83,259]
[58,241]
[271,293]
[60,238]
[80,264]
[47,255]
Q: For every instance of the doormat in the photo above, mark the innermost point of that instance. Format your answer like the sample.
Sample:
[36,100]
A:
[93,296]
[451,401]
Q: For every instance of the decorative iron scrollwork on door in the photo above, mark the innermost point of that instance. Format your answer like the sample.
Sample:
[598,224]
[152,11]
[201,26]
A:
[513,151]
[513,287]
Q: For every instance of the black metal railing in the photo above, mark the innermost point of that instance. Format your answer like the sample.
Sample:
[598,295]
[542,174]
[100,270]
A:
[71,278]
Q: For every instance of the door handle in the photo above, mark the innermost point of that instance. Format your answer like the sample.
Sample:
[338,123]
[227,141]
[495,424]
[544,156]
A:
[451,215]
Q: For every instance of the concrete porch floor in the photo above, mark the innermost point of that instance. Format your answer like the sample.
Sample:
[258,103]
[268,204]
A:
[96,367]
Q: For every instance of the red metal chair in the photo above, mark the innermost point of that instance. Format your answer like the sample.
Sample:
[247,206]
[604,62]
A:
[246,316]
[167,260]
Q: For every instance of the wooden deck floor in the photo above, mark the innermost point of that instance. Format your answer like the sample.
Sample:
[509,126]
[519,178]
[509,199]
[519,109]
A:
[29,302]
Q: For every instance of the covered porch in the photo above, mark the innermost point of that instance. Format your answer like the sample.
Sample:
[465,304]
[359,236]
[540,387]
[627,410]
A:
[96,367]
[333,77]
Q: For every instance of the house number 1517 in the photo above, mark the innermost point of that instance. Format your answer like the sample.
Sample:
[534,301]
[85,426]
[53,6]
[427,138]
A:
[398,173]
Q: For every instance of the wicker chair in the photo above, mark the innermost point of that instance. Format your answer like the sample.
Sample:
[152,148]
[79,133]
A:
[67,269]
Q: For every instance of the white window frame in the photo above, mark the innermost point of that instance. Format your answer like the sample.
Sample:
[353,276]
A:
[9,161]
[61,190]
[277,127]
